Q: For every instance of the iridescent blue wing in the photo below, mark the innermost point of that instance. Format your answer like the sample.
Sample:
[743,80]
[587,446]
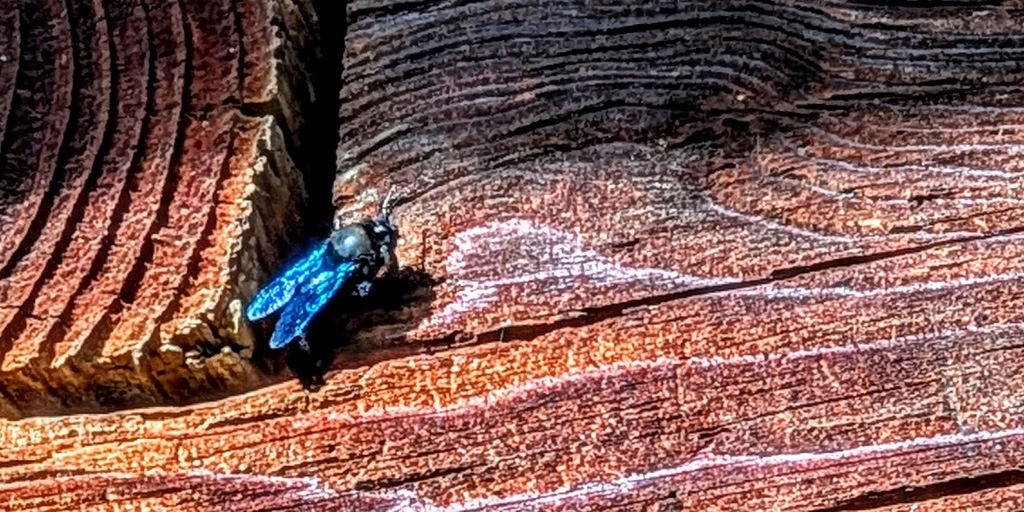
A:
[307,301]
[278,292]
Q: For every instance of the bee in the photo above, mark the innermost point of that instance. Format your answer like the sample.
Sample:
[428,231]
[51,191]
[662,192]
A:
[354,253]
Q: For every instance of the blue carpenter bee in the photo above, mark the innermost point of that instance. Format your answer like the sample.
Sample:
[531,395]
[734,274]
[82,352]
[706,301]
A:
[353,252]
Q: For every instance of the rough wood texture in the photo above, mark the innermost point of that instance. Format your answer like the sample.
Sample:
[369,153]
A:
[142,176]
[711,255]
[727,255]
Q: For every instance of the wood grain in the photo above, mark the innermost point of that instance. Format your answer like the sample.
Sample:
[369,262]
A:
[722,255]
[722,248]
[145,172]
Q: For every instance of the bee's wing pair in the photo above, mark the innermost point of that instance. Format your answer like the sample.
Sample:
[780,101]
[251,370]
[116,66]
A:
[302,290]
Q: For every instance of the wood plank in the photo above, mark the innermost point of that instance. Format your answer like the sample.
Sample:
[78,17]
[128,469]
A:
[724,255]
[804,218]
[105,311]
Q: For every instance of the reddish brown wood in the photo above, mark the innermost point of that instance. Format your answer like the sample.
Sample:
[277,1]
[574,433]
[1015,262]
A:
[198,489]
[169,143]
[731,245]
[723,255]
[10,38]
[37,120]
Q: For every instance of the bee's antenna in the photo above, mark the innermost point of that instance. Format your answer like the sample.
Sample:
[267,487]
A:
[385,205]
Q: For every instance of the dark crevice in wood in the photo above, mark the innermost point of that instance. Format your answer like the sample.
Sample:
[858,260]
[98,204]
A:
[410,478]
[318,160]
[11,463]
[589,316]
[209,348]
[241,53]
[791,272]
[914,495]
[15,406]
[577,113]
[921,199]
[52,474]
[9,333]
[897,95]
[925,4]
[380,143]
[32,374]
[234,422]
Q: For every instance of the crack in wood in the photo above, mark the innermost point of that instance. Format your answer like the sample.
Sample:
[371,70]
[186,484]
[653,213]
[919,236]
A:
[964,486]
[591,316]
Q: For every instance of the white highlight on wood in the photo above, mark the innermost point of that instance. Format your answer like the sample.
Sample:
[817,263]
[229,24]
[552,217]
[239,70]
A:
[709,460]
[768,225]
[777,290]
[954,170]
[1006,148]
[548,254]
[550,257]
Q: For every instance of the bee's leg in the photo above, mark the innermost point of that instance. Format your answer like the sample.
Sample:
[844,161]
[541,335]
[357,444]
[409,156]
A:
[391,264]
[385,205]
[388,262]
[304,343]
[363,288]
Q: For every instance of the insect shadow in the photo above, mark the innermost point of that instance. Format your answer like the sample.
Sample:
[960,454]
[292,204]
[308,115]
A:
[402,298]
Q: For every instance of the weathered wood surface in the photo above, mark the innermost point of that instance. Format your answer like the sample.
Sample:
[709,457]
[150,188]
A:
[143,175]
[712,255]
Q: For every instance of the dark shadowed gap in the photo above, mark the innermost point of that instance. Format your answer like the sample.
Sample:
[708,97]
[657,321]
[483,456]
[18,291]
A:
[946,489]
[394,299]
[320,137]
[318,164]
